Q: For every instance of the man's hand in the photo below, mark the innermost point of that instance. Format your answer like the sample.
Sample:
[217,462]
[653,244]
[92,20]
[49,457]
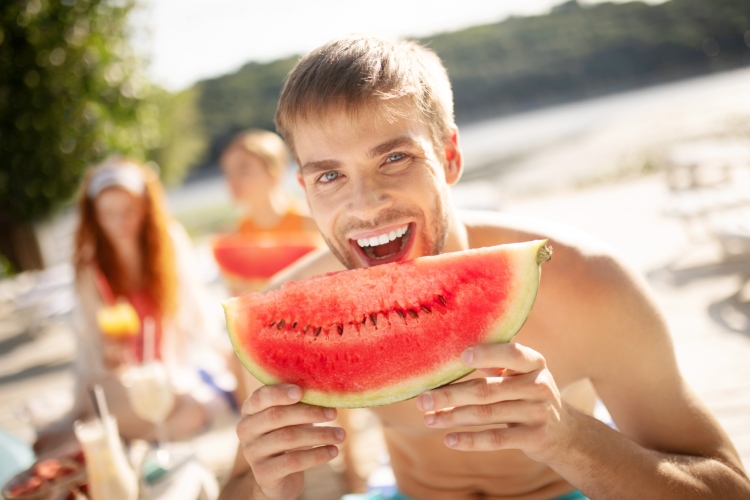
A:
[279,441]
[522,396]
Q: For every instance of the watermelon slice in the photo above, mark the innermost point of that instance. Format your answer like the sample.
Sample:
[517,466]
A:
[248,258]
[383,334]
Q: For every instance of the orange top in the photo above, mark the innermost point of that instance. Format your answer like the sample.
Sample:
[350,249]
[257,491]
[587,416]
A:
[293,228]
[292,222]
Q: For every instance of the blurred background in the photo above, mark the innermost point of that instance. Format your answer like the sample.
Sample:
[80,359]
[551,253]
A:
[630,120]
[171,82]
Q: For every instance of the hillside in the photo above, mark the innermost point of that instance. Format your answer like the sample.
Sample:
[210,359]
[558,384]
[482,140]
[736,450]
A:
[574,52]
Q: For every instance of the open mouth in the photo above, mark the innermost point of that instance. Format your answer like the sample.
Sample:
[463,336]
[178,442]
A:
[390,245]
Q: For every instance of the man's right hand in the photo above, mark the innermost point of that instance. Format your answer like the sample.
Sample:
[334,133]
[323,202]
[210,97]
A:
[279,441]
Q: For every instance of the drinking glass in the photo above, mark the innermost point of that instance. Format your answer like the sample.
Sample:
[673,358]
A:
[109,473]
[151,397]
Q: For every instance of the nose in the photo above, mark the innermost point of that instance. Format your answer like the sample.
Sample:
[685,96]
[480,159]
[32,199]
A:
[369,198]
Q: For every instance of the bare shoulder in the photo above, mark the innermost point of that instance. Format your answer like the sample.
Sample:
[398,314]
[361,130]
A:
[577,255]
[587,286]
[317,262]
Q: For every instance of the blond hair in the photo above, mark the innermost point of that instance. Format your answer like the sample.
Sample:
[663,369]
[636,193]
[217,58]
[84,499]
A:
[359,71]
[264,144]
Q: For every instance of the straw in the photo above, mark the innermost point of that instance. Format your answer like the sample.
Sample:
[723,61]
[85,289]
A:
[149,339]
[94,402]
[101,401]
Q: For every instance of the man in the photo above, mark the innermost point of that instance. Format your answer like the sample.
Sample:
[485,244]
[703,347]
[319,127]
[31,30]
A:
[370,123]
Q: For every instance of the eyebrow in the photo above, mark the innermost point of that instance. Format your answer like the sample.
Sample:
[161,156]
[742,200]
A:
[398,142]
[314,167]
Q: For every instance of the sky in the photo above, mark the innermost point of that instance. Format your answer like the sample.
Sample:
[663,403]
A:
[190,40]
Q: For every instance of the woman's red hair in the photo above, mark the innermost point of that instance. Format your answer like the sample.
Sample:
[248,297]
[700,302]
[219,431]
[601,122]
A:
[93,247]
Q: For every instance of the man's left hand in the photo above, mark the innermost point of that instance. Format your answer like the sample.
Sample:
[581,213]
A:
[521,399]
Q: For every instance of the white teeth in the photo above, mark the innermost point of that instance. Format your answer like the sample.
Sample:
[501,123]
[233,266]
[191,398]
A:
[383,238]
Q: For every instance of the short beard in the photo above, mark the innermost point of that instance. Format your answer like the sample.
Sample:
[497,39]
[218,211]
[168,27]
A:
[435,247]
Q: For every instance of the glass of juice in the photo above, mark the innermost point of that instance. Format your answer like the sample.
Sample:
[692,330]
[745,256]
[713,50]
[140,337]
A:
[152,398]
[119,320]
[109,473]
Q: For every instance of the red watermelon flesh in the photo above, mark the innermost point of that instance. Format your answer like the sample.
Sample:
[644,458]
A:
[251,258]
[383,334]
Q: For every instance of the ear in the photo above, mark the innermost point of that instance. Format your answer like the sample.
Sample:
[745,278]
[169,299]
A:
[454,164]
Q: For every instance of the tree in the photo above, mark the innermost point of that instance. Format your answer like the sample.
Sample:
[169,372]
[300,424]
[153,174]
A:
[72,91]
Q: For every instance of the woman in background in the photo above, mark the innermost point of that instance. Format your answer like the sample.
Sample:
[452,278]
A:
[254,163]
[127,249]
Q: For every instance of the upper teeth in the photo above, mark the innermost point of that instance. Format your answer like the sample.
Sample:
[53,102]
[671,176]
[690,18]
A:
[382,239]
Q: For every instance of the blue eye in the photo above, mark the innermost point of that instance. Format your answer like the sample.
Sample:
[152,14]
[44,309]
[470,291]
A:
[395,157]
[329,176]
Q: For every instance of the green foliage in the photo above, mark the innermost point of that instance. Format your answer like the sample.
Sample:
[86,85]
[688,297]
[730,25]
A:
[71,92]
[574,52]
[241,100]
[578,51]
[183,138]
[6,268]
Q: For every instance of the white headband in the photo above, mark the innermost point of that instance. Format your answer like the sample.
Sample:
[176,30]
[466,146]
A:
[125,176]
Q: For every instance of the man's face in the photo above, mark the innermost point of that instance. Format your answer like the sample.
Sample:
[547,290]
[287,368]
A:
[376,188]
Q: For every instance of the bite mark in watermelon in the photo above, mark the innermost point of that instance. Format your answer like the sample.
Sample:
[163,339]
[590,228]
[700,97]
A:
[383,334]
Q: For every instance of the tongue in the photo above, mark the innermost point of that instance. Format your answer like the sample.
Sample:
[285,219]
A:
[388,249]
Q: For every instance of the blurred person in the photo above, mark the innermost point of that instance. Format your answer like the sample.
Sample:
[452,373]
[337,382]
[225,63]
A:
[254,163]
[370,122]
[127,248]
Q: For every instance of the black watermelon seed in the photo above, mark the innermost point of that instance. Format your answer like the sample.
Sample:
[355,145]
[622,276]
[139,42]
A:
[413,313]
[401,313]
[340,329]
[271,325]
[317,332]
[281,324]
[442,299]
[294,325]
[426,309]
[373,319]
[364,320]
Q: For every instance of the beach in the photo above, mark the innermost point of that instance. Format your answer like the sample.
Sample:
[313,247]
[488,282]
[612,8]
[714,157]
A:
[604,173]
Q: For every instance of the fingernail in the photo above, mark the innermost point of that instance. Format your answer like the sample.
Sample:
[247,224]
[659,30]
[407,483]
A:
[329,413]
[333,451]
[294,392]
[451,440]
[340,434]
[468,356]
[426,401]
[429,418]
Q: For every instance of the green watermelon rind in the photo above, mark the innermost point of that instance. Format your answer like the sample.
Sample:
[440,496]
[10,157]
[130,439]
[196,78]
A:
[505,327]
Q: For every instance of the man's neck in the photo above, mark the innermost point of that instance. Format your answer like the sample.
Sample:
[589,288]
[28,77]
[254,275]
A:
[458,238]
